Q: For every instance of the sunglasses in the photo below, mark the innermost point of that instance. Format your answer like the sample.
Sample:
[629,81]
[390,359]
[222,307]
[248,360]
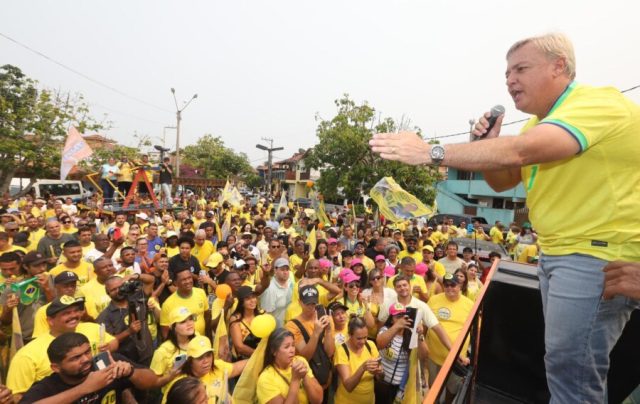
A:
[66,222]
[376,278]
[353,285]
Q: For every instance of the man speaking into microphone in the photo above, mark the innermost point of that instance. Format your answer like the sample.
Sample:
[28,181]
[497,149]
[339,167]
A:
[578,159]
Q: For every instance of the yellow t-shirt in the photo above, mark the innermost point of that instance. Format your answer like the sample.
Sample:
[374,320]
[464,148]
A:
[452,316]
[31,362]
[363,393]
[164,357]
[202,253]
[84,272]
[40,325]
[213,382]
[496,235]
[417,255]
[529,251]
[271,384]
[599,222]
[34,239]
[197,304]
[172,251]
[95,296]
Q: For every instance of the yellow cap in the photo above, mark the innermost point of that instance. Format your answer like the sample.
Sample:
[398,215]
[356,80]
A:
[178,315]
[199,346]
[214,260]
[428,248]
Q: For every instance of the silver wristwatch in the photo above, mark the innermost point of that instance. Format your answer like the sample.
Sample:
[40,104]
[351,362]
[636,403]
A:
[437,154]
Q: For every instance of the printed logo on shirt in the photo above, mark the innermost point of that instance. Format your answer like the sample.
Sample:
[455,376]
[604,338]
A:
[444,313]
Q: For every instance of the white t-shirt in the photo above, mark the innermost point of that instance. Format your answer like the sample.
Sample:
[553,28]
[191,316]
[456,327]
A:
[425,313]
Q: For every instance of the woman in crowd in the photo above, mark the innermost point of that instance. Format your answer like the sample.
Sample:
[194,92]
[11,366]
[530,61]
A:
[339,313]
[351,298]
[357,361]
[474,284]
[67,225]
[463,280]
[321,250]
[213,373]
[286,378]
[386,232]
[439,252]
[187,390]
[358,268]
[244,342]
[378,295]
[181,331]
[394,352]
[392,251]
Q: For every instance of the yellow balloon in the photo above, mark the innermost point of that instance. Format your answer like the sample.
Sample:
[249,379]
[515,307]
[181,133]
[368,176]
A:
[263,325]
[222,291]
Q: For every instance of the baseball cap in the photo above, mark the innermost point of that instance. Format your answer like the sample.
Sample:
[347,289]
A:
[308,294]
[281,262]
[240,264]
[40,201]
[380,257]
[179,314]
[214,260]
[332,241]
[171,233]
[33,258]
[142,216]
[450,278]
[428,248]
[199,346]
[356,261]
[244,292]
[247,234]
[526,225]
[396,309]
[65,277]
[348,276]
[209,214]
[63,302]
[324,263]
[333,306]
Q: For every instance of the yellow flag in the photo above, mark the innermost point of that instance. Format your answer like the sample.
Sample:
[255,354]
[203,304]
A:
[312,240]
[16,337]
[226,227]
[245,391]
[221,339]
[396,204]
[322,215]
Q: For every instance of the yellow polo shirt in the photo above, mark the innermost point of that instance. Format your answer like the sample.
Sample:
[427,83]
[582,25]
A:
[589,203]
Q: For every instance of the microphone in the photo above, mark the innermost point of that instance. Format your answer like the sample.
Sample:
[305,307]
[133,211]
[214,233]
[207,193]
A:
[496,111]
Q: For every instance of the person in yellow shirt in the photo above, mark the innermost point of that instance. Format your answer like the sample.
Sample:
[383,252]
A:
[67,225]
[357,362]
[418,286]
[194,299]
[31,363]
[529,254]
[496,233]
[94,292]
[72,251]
[203,248]
[411,250]
[452,309]
[65,284]
[286,376]
[211,372]
[172,249]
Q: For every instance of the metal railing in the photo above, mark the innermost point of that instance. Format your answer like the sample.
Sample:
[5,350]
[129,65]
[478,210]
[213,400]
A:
[471,326]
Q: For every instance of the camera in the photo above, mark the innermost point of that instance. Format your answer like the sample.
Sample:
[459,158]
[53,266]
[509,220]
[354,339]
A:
[130,288]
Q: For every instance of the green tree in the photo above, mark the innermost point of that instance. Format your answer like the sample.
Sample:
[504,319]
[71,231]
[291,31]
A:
[347,165]
[215,159]
[33,126]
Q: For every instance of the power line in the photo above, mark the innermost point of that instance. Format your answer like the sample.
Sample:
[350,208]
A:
[115,90]
[514,122]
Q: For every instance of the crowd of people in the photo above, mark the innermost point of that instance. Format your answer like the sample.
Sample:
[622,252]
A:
[363,312]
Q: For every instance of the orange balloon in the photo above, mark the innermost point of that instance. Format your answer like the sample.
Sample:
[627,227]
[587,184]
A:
[309,184]
[320,226]
[222,291]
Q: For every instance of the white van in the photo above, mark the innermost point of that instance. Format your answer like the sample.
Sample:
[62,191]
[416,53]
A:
[59,189]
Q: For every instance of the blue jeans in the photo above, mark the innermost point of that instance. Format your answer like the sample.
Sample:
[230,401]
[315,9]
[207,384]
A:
[580,327]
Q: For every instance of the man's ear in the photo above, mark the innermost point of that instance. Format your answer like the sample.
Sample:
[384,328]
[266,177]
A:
[55,367]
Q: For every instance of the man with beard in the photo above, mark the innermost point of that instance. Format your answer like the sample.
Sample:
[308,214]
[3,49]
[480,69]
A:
[128,265]
[35,232]
[74,379]
[130,332]
[51,244]
[412,248]
[358,252]
[31,363]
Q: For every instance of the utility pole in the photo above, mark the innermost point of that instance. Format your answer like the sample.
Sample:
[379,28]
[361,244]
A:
[178,119]
[270,151]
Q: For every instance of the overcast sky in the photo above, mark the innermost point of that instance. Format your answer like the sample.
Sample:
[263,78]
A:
[266,68]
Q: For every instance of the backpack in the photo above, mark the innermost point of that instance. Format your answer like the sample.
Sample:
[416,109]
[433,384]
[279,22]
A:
[320,363]
[346,349]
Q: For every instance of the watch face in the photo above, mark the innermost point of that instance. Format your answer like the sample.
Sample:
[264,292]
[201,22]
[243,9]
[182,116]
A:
[437,153]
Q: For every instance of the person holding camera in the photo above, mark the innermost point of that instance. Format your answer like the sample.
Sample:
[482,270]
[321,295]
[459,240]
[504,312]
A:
[79,377]
[134,338]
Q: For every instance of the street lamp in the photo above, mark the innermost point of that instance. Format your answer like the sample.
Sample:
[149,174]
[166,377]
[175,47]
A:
[269,150]
[178,119]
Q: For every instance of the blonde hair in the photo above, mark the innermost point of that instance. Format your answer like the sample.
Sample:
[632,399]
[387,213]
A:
[553,45]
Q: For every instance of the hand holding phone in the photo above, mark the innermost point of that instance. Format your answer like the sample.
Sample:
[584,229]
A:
[179,361]
[101,361]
